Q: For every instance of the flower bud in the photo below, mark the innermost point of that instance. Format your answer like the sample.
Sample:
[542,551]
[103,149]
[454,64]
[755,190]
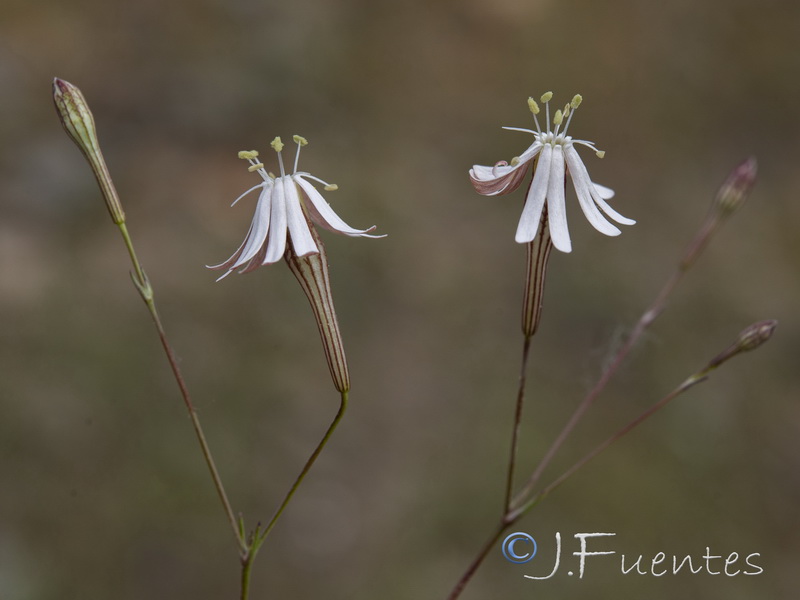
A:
[736,187]
[749,339]
[78,122]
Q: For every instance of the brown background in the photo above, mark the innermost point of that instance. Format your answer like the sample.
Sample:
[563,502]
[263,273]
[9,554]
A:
[103,493]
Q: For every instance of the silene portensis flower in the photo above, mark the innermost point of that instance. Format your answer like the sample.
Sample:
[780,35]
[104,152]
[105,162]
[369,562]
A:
[287,206]
[556,155]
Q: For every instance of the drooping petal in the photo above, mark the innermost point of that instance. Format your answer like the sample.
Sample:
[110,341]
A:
[579,169]
[532,212]
[299,234]
[556,202]
[582,183]
[606,193]
[276,243]
[606,208]
[322,214]
[259,227]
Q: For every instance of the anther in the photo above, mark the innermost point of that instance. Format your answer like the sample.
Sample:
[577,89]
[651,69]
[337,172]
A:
[276,144]
[533,106]
[576,101]
[248,154]
[255,167]
[331,187]
[300,140]
[546,97]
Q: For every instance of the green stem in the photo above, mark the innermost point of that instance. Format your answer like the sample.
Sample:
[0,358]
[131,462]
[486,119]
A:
[309,463]
[142,283]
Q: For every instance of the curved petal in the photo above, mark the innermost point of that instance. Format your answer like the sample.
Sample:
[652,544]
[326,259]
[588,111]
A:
[502,179]
[556,202]
[302,242]
[276,244]
[532,213]
[259,227]
[322,214]
[582,184]
[597,194]
[604,192]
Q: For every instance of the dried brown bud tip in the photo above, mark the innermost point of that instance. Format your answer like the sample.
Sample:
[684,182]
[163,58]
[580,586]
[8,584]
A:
[736,187]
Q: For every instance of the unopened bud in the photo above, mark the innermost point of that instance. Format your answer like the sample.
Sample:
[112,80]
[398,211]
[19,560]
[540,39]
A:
[736,187]
[78,122]
[749,339]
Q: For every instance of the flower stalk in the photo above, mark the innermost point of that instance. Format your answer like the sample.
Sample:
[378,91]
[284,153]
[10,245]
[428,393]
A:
[78,122]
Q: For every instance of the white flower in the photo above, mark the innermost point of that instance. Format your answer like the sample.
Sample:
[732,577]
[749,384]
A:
[287,205]
[556,156]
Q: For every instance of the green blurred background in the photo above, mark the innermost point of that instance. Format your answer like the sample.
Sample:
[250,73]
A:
[103,493]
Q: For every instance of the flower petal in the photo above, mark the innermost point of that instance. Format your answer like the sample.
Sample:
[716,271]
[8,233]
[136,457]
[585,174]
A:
[322,214]
[276,244]
[556,203]
[582,183]
[259,227]
[502,179]
[605,193]
[606,208]
[532,212]
[302,242]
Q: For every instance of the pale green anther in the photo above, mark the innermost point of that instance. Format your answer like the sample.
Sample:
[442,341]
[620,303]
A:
[331,187]
[255,167]
[546,97]
[515,161]
[78,122]
[558,118]
[277,144]
[600,153]
[576,101]
[300,140]
[533,106]
[566,111]
[271,175]
[248,154]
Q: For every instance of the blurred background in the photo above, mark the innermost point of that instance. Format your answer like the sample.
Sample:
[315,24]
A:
[103,492]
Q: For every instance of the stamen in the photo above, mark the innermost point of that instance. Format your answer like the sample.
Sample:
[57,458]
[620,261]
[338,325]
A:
[534,108]
[277,145]
[255,167]
[300,141]
[248,154]
[331,187]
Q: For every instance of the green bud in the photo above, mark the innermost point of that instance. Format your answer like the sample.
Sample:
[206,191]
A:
[78,122]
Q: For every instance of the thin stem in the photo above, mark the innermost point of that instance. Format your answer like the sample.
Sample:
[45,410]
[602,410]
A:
[698,377]
[512,459]
[146,291]
[473,567]
[647,318]
[308,465]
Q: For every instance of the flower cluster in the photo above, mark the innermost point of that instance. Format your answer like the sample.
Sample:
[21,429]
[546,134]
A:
[556,156]
[287,206]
